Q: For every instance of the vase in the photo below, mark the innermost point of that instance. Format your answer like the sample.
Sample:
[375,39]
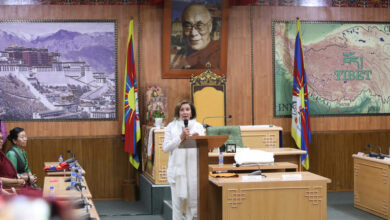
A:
[158,122]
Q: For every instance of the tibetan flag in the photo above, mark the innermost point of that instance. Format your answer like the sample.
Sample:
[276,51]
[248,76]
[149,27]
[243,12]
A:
[131,121]
[300,124]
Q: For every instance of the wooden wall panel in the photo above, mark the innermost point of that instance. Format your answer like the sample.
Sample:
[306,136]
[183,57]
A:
[239,81]
[331,153]
[103,159]
[151,65]
[334,138]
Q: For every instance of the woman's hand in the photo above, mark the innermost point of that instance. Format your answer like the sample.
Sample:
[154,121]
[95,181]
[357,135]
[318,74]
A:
[195,134]
[33,179]
[185,133]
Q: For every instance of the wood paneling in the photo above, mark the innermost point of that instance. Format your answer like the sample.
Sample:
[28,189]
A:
[97,141]
[103,159]
[331,153]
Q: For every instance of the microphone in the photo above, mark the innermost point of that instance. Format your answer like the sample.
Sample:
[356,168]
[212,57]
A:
[185,123]
[205,118]
[72,159]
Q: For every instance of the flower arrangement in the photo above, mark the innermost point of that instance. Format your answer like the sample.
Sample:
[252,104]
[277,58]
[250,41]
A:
[158,114]
[156,104]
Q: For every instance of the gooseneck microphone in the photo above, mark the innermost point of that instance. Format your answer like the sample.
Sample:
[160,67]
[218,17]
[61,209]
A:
[185,123]
[208,117]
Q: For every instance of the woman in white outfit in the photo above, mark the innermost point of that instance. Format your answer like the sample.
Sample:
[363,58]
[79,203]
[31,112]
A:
[182,169]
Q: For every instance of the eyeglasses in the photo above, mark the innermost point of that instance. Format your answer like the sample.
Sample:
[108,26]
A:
[199,26]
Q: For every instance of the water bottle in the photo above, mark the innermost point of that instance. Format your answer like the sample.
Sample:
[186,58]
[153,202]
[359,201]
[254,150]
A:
[51,192]
[60,159]
[79,175]
[73,176]
[220,159]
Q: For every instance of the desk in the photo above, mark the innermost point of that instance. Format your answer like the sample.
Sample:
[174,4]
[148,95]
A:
[372,185]
[269,198]
[60,188]
[60,172]
[92,211]
[285,154]
[276,166]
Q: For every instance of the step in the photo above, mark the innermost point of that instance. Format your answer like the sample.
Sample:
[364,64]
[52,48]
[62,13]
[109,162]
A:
[152,195]
[167,210]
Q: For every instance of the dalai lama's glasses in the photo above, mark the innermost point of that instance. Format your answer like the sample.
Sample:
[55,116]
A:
[199,26]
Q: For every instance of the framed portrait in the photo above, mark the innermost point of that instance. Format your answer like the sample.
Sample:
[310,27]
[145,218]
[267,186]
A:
[58,70]
[230,148]
[194,34]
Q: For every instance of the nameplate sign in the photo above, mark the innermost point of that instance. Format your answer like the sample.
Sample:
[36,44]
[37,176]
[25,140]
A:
[292,176]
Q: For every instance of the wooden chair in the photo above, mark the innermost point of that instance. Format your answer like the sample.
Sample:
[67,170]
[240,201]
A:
[208,93]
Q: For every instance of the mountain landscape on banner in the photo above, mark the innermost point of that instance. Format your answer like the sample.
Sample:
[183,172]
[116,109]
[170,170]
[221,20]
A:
[96,48]
[63,70]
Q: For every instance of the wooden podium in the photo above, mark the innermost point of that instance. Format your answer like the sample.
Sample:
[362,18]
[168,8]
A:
[203,144]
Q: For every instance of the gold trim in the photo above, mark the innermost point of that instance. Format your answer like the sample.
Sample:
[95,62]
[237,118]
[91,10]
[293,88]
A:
[208,78]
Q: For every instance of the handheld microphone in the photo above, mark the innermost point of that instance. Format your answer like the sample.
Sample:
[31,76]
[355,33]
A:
[205,118]
[185,123]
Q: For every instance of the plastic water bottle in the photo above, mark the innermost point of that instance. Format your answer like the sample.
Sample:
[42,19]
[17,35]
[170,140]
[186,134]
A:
[73,176]
[79,175]
[60,159]
[220,159]
[51,192]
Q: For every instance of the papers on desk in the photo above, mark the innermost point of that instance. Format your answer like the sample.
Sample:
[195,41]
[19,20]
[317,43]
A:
[292,176]
[252,178]
[248,156]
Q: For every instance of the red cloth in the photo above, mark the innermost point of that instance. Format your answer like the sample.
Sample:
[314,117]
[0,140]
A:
[7,170]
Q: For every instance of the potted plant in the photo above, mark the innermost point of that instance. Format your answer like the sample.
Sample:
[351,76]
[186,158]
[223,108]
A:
[158,116]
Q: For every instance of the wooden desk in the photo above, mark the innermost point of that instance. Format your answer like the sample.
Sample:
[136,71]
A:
[92,211]
[268,198]
[60,172]
[276,166]
[372,185]
[60,188]
[291,155]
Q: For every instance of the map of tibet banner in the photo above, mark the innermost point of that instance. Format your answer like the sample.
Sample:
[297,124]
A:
[347,67]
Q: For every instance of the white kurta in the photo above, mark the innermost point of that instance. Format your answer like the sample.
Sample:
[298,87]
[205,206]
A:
[182,172]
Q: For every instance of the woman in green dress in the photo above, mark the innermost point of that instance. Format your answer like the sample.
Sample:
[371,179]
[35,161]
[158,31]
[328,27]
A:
[18,157]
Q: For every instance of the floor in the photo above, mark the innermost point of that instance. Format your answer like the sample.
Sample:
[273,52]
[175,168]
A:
[340,206]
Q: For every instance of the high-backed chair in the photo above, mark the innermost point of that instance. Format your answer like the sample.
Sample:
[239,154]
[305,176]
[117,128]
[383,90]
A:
[208,93]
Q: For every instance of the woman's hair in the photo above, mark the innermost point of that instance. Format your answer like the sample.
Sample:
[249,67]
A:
[14,133]
[178,106]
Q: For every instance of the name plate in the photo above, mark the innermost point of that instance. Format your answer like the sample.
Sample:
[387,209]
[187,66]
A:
[387,158]
[292,176]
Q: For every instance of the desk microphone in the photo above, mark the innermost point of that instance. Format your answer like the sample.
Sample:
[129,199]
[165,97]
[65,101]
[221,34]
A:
[72,159]
[205,118]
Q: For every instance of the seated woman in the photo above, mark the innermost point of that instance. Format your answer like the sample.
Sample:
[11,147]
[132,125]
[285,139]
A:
[8,177]
[18,157]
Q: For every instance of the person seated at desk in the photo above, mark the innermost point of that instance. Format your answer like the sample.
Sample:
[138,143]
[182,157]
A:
[18,157]
[7,182]
[182,172]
